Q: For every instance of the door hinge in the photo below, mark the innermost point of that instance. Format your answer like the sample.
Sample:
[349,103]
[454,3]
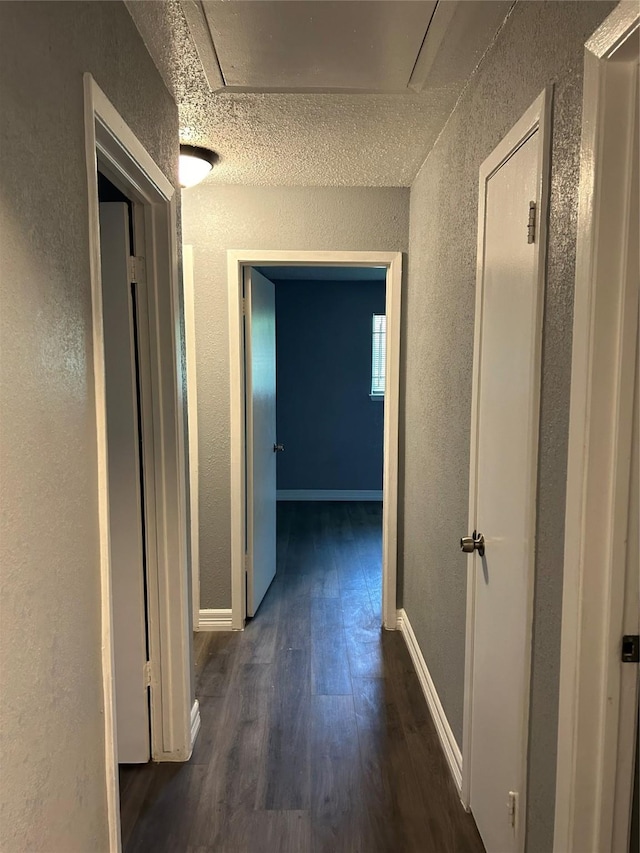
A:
[137,270]
[531,226]
[630,648]
[512,808]
[244,306]
[147,674]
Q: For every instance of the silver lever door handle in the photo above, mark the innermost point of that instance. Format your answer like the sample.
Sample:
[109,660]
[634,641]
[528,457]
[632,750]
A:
[278,448]
[472,543]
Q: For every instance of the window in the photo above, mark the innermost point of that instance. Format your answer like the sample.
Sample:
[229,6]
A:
[378,355]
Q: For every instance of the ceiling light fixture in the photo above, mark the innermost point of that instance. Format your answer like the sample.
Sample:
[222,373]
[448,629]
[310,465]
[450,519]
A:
[195,164]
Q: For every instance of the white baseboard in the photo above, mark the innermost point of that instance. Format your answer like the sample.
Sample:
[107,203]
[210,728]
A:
[329,494]
[195,722]
[447,739]
[215,620]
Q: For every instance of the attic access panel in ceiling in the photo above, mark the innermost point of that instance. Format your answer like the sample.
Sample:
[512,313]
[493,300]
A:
[309,45]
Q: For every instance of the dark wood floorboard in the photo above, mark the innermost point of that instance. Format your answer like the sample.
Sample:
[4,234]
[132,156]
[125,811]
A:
[315,735]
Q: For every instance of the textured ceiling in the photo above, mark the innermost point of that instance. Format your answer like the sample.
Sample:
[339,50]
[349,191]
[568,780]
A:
[309,139]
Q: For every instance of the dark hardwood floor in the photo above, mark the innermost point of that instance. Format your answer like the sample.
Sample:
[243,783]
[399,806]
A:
[315,733]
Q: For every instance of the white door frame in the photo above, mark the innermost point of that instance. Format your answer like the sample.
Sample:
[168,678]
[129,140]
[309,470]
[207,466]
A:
[111,146]
[392,261]
[536,118]
[605,314]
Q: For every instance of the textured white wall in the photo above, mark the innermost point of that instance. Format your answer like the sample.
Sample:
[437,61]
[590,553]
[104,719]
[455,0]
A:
[52,752]
[541,43]
[217,218]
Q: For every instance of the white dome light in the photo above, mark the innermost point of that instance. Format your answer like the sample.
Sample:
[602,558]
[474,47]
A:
[195,164]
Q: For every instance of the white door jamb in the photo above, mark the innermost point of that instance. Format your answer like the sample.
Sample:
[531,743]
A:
[604,328]
[392,261]
[112,146]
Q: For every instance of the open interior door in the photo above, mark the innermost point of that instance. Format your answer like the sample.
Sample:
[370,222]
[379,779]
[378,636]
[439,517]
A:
[261,443]
[125,489]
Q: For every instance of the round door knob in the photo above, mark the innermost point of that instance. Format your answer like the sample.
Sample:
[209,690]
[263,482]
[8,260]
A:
[278,448]
[472,543]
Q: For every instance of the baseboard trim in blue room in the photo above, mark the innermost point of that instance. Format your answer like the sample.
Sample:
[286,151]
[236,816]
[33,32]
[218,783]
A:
[329,494]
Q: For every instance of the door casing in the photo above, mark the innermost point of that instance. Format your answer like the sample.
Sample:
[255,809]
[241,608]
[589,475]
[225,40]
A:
[604,328]
[111,146]
[237,259]
[535,119]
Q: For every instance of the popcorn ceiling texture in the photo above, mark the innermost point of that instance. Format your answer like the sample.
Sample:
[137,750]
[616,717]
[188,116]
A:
[52,748]
[300,139]
[541,44]
[219,218]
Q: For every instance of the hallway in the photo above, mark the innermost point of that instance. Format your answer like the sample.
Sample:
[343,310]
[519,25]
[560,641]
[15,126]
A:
[315,734]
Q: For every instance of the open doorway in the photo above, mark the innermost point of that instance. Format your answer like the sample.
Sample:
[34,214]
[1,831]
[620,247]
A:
[252,333]
[137,332]
[315,379]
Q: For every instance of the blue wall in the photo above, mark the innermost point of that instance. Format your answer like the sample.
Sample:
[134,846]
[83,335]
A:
[331,429]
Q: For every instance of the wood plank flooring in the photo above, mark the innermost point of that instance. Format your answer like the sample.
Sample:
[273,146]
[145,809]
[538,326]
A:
[315,734]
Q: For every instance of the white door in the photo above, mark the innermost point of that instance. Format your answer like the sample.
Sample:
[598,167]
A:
[506,371]
[125,490]
[192,424]
[260,372]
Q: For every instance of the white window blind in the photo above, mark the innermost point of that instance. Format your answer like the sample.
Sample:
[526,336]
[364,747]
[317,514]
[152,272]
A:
[378,354]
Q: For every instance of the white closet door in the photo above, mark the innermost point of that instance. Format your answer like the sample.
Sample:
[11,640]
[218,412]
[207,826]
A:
[125,497]
[505,446]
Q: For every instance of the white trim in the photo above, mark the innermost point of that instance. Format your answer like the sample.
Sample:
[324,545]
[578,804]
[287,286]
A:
[192,420]
[236,261]
[203,43]
[111,757]
[445,734]
[195,722]
[329,495]
[215,620]
[536,118]
[439,27]
[605,314]
[109,141]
